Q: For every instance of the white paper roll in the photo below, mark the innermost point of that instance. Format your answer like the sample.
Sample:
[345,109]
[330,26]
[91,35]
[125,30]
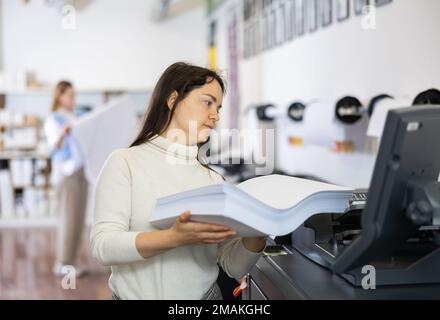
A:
[322,128]
[380,113]
[319,125]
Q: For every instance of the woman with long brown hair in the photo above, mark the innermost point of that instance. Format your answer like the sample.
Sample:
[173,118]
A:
[180,262]
[68,178]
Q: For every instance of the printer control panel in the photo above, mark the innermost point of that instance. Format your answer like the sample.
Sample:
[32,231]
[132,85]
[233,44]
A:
[358,200]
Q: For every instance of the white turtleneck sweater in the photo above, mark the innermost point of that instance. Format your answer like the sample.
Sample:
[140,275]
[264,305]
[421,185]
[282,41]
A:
[129,184]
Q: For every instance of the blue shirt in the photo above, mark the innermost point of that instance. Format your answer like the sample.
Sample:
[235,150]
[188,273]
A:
[65,152]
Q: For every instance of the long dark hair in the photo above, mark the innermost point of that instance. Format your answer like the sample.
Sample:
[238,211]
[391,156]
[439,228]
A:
[182,78]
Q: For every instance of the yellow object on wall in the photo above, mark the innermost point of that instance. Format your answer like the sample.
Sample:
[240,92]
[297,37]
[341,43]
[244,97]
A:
[212,62]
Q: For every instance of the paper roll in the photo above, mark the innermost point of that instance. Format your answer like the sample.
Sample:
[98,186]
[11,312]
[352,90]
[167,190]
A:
[322,128]
[380,113]
[319,124]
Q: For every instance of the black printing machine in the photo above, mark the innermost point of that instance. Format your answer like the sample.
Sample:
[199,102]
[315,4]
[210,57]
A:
[397,229]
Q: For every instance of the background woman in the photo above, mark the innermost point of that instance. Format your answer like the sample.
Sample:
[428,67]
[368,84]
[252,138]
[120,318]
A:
[68,178]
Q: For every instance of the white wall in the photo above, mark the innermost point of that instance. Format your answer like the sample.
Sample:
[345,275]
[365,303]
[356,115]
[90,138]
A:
[115,45]
[400,57]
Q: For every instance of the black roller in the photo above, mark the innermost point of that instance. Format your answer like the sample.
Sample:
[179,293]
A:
[375,100]
[349,110]
[431,96]
[296,111]
[4,165]
[262,112]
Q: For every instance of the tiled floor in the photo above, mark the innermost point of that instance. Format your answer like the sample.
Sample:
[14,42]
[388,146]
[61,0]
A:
[26,258]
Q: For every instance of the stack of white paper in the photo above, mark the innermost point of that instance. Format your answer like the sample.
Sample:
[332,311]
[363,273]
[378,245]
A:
[270,205]
[102,131]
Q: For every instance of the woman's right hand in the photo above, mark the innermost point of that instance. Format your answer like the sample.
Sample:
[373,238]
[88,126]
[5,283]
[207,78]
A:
[183,232]
[186,232]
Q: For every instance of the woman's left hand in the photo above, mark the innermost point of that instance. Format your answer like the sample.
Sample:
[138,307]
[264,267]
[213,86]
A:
[255,244]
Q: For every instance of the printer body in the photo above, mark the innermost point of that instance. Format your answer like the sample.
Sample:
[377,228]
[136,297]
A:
[393,228]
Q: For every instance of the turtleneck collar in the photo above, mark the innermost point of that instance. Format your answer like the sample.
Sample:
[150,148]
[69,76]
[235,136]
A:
[174,149]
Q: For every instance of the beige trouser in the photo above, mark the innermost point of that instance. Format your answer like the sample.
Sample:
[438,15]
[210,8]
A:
[71,204]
